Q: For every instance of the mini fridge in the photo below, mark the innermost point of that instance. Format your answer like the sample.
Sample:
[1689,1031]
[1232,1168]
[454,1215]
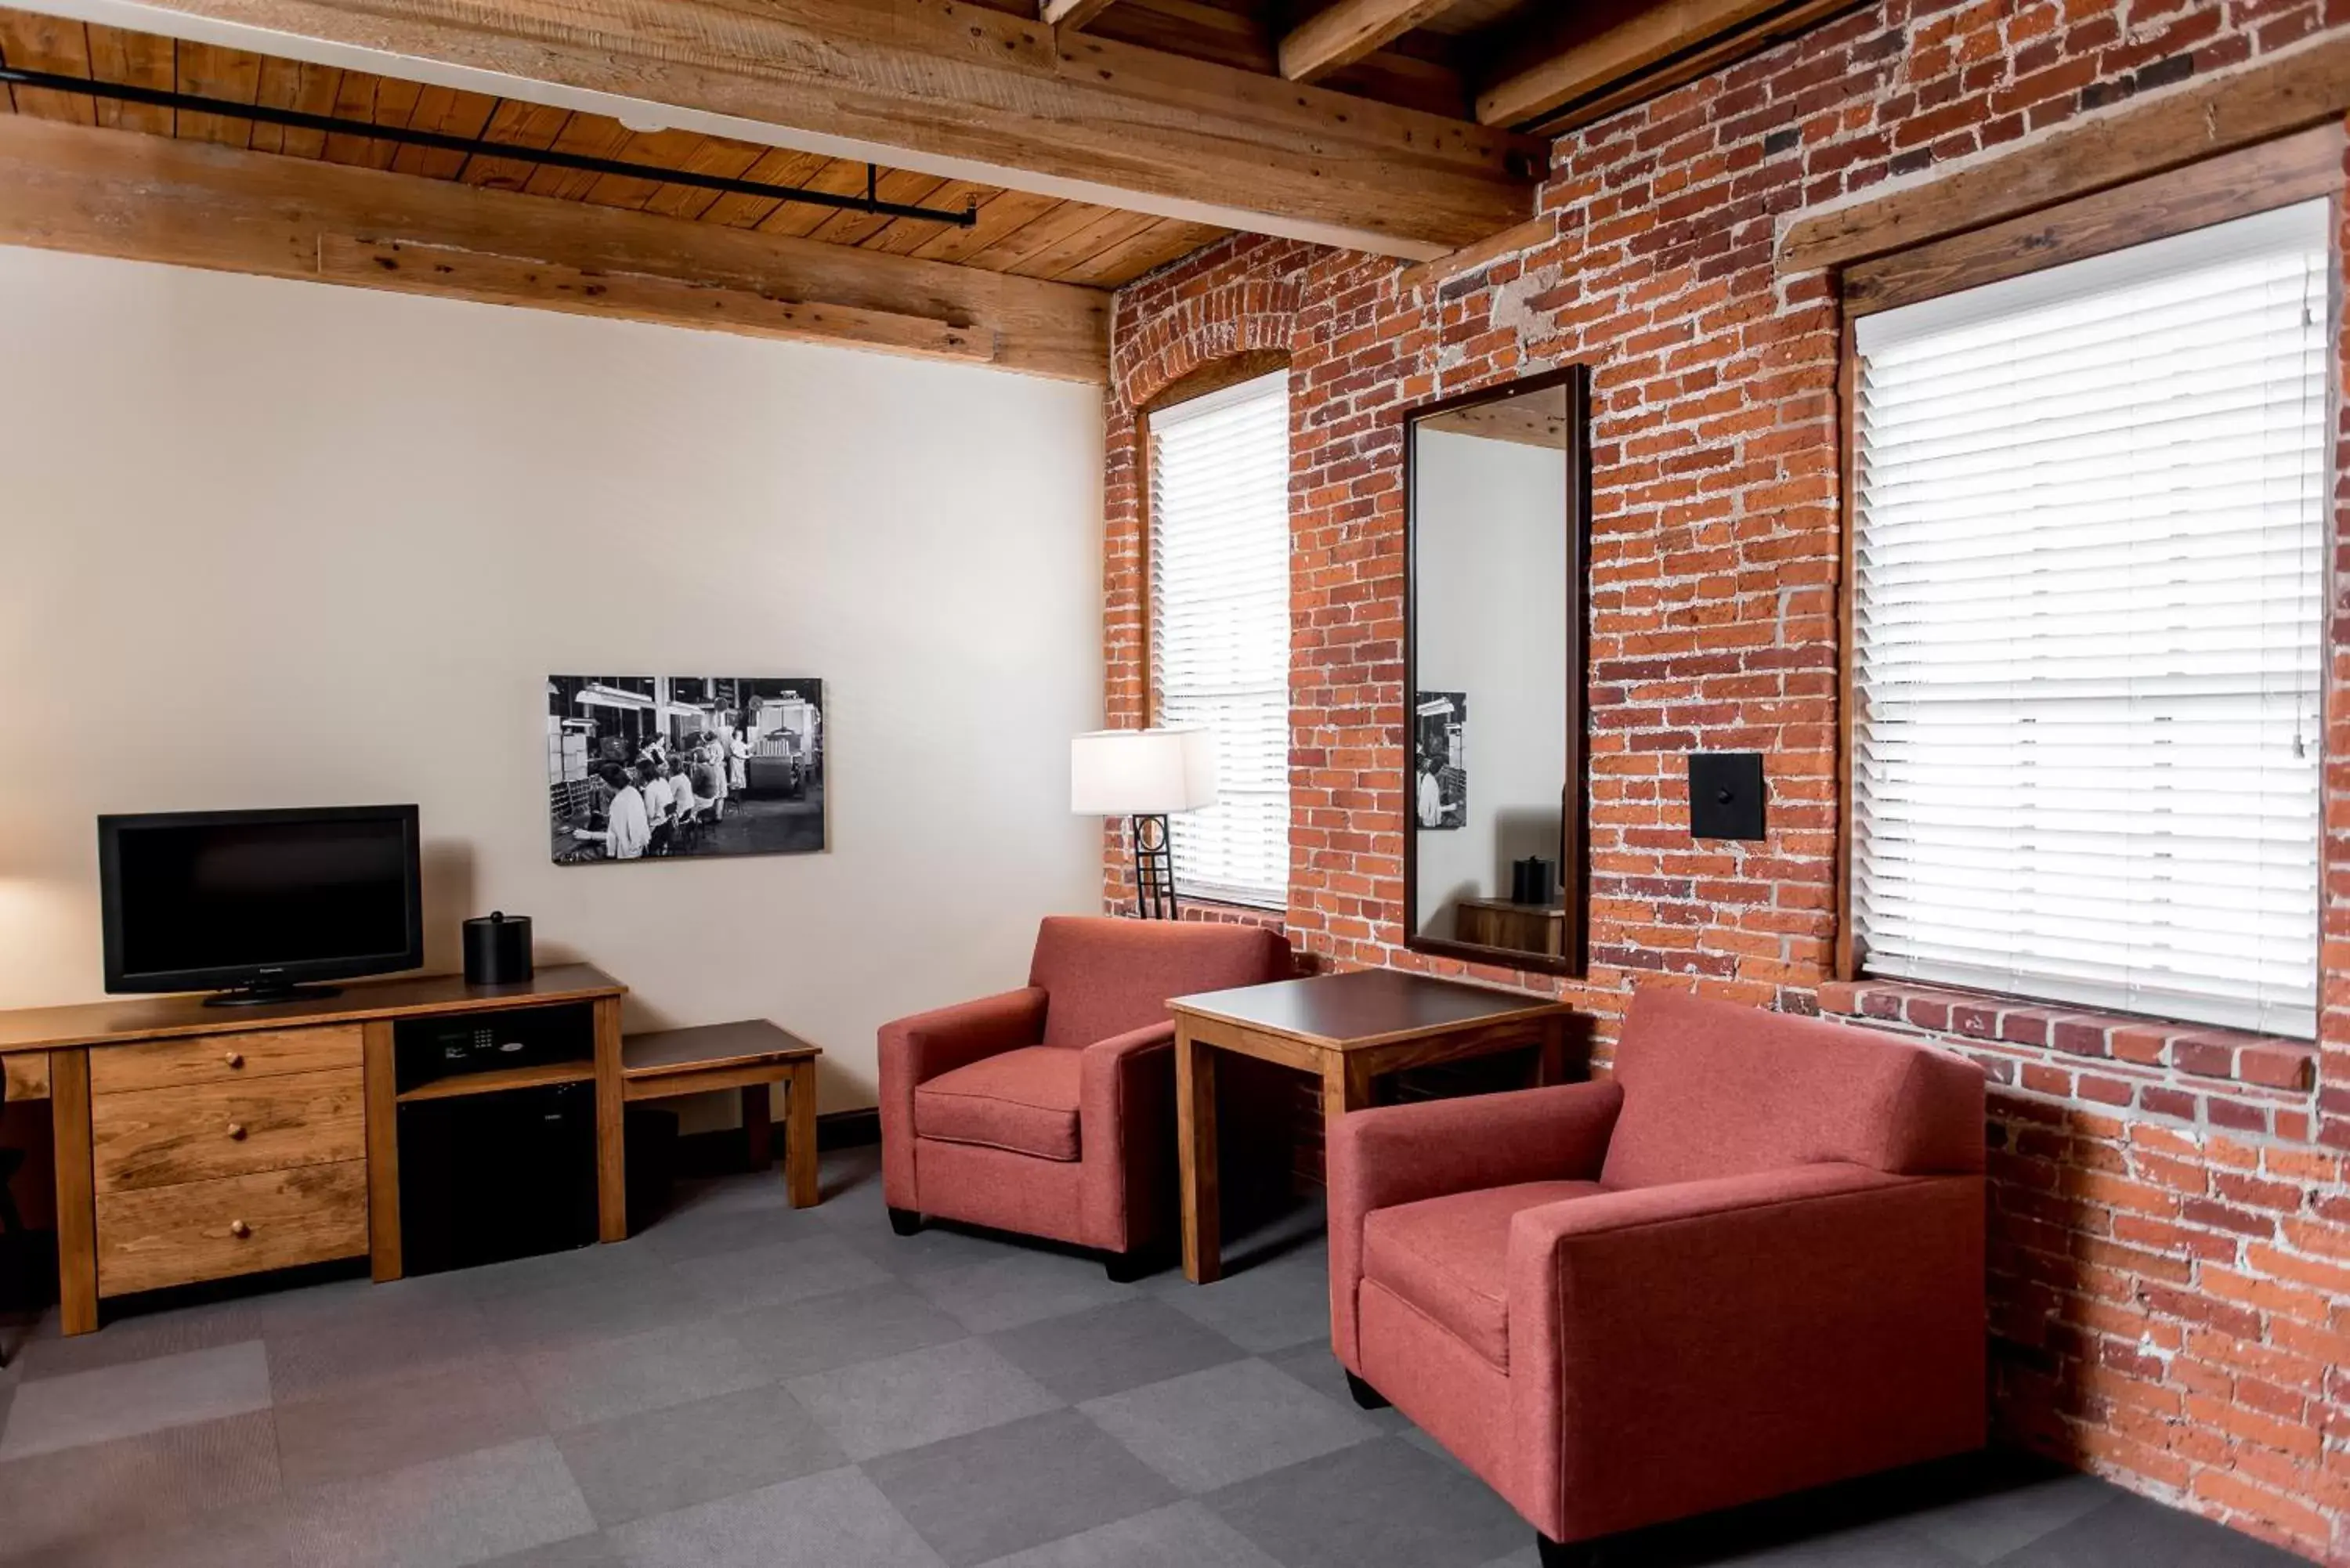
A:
[486,1178]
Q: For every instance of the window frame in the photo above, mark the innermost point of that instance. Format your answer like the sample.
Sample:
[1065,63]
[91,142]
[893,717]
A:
[1205,381]
[2283,173]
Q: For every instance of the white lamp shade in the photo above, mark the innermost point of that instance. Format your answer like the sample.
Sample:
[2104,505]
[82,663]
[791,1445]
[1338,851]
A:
[1140,773]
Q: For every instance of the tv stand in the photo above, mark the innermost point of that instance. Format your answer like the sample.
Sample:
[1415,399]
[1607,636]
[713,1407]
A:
[199,1141]
[270,995]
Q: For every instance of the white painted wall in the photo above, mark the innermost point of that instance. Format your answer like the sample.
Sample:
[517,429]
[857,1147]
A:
[1491,606]
[267,543]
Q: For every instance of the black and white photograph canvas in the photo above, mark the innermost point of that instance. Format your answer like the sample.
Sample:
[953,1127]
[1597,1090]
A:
[655,767]
[1440,763]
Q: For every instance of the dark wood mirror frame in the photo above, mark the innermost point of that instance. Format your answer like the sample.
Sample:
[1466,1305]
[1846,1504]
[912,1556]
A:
[1573,859]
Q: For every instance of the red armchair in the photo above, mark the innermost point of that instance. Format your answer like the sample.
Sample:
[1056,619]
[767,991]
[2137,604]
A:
[1750,1262]
[1051,1110]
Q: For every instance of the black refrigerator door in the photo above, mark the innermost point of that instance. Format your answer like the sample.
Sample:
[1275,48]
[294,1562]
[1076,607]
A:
[485,1178]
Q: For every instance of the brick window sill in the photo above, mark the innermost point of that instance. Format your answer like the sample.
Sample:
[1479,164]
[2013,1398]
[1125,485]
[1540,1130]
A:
[2222,1056]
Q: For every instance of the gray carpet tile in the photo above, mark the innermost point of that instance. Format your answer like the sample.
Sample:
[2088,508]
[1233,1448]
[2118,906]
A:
[1020,1285]
[1317,1365]
[401,1422]
[631,1302]
[827,1332]
[244,1535]
[443,1513]
[1182,1535]
[1985,1528]
[133,1397]
[826,1521]
[1012,1486]
[661,1460]
[1269,1307]
[1210,1429]
[922,1397]
[596,1550]
[363,1345]
[137,1483]
[2132,1533]
[1884,1545]
[801,1266]
[1377,1504]
[1110,1349]
[750,1383]
[576,1382]
[138,1339]
[720,1230]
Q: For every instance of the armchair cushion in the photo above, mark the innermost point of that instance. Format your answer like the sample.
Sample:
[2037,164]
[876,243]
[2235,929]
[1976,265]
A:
[1108,977]
[1712,1090]
[1449,1257]
[1024,1101]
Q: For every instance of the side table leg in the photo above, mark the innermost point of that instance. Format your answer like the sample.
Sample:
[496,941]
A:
[1195,1143]
[758,1124]
[799,1135]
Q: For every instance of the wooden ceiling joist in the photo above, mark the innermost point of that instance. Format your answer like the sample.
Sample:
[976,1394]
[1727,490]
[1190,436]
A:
[1071,13]
[2303,87]
[1602,45]
[70,187]
[1341,34]
[952,90]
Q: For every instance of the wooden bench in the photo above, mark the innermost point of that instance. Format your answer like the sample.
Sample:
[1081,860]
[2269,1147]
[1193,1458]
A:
[747,1056]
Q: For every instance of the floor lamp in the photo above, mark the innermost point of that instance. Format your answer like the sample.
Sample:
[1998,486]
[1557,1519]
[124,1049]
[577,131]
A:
[1144,776]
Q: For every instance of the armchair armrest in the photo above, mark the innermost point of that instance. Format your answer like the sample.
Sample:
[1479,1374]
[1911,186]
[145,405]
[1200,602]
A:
[1401,1154]
[917,1049]
[1126,1109]
[1691,1346]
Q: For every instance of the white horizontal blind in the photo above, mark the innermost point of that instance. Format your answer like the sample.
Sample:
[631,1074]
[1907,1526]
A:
[2090,567]
[1220,600]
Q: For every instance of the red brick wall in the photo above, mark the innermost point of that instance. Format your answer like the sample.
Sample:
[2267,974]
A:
[2171,1241]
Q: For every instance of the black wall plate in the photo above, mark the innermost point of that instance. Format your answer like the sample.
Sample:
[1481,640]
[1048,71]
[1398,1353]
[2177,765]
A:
[1726,794]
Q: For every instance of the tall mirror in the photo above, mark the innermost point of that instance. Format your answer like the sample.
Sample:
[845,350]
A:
[1499,491]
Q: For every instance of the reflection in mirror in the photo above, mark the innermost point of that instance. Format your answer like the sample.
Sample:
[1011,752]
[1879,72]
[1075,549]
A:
[1492,714]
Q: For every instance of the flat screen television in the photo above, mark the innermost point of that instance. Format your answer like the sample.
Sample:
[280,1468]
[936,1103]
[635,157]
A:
[254,904]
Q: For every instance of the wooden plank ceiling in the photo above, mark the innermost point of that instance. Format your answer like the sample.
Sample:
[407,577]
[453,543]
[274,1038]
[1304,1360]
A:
[1017,232]
[1414,127]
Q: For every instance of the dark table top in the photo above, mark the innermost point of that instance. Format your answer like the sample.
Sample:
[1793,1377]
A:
[709,1045]
[1367,1007]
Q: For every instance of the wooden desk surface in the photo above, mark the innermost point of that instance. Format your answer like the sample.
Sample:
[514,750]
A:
[710,1045]
[1363,1008]
[122,1019]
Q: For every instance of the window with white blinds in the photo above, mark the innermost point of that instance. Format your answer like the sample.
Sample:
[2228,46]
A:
[1220,631]
[2090,521]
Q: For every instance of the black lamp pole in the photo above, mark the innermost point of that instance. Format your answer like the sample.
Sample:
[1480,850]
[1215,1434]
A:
[1154,867]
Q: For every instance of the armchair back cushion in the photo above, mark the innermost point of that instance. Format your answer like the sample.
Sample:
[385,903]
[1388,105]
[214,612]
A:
[1104,976]
[1713,1089]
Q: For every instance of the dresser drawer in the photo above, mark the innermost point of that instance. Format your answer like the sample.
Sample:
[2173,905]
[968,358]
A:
[235,1225]
[213,1058]
[162,1137]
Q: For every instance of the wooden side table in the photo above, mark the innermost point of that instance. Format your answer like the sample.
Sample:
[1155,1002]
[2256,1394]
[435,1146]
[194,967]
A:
[1346,1030]
[748,1056]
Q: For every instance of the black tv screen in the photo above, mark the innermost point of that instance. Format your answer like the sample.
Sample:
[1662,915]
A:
[259,898]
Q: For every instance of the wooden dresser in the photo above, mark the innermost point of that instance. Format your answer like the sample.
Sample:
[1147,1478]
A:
[197,1143]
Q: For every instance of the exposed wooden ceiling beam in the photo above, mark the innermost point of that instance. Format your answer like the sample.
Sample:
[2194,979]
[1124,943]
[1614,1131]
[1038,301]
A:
[1071,13]
[1602,44]
[190,203]
[2283,93]
[1341,34]
[943,87]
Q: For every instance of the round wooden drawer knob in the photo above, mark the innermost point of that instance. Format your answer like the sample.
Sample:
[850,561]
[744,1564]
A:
[239,1228]
[235,1059]
[236,1131]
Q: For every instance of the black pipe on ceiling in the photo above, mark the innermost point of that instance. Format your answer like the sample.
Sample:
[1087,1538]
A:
[481,146]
